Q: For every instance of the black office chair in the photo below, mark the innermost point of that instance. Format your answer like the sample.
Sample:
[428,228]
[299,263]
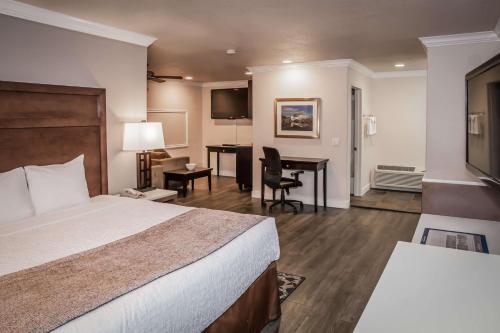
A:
[273,178]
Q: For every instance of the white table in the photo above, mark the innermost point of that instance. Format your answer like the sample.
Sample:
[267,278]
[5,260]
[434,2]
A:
[491,229]
[160,195]
[433,289]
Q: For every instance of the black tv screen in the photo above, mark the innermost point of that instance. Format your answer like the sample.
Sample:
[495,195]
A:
[229,103]
[483,120]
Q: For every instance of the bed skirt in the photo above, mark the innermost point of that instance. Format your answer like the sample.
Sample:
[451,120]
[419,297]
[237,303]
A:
[254,309]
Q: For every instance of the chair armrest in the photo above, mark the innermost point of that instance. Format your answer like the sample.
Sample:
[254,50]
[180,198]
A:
[296,174]
[171,163]
[157,176]
[167,164]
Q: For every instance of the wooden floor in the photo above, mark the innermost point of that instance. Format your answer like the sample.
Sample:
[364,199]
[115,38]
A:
[341,252]
[409,202]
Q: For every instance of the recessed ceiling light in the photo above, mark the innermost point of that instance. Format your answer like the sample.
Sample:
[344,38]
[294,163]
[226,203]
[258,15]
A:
[230,51]
[188,77]
[248,73]
[399,65]
[287,61]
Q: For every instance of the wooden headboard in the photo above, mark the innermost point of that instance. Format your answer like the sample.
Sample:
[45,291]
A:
[46,124]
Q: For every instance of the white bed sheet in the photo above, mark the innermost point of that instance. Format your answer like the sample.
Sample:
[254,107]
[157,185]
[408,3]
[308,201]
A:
[186,300]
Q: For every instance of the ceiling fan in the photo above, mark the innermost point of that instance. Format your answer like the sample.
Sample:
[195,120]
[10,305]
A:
[161,78]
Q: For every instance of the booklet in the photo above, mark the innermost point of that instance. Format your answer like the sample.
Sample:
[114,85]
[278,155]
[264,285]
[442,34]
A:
[455,240]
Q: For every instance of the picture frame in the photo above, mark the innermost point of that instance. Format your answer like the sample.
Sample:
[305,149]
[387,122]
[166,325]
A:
[297,118]
[175,136]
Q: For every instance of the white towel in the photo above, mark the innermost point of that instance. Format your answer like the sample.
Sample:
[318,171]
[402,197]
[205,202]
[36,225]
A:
[371,126]
[473,124]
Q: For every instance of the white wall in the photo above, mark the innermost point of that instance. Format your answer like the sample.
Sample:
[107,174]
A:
[185,96]
[368,147]
[331,86]
[447,66]
[37,53]
[399,103]
[400,106]
[219,131]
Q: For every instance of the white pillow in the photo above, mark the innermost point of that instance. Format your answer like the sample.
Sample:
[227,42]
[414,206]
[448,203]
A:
[57,186]
[15,201]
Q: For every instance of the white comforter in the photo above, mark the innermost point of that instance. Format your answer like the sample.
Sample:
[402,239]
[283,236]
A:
[186,300]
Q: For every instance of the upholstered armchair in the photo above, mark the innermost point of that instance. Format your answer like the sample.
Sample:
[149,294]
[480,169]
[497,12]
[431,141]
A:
[162,161]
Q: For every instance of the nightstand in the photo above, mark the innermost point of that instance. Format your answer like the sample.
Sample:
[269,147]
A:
[160,195]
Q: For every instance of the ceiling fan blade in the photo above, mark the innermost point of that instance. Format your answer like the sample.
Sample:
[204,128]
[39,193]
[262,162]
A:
[171,77]
[155,79]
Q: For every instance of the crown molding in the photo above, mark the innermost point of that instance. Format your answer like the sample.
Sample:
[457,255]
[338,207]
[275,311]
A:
[360,68]
[399,74]
[347,63]
[324,63]
[459,39]
[226,84]
[40,15]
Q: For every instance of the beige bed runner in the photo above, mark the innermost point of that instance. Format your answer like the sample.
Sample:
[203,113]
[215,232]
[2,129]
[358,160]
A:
[42,298]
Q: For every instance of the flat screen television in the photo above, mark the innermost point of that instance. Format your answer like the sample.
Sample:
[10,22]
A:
[230,103]
[483,120]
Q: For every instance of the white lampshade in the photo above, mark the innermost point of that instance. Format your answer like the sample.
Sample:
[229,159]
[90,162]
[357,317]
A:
[143,136]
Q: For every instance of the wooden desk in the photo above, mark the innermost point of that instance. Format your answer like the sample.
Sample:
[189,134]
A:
[300,163]
[219,149]
[243,162]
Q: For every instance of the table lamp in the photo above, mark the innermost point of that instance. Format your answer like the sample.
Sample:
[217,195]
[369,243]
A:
[142,137]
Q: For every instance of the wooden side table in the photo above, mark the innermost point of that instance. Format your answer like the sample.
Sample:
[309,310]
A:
[184,176]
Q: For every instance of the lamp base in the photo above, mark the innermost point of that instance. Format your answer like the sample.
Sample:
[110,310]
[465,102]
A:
[143,170]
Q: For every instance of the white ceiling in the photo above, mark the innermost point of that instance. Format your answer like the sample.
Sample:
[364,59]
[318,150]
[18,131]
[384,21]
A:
[194,34]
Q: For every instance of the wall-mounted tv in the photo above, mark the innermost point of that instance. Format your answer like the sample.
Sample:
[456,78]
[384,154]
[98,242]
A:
[483,120]
[230,103]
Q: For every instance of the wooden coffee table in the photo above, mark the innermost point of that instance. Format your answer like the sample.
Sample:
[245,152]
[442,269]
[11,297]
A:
[184,176]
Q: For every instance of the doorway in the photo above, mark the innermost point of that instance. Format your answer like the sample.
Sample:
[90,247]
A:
[356,132]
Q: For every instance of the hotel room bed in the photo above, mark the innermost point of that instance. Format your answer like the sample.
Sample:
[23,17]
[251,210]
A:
[231,289]
[186,300]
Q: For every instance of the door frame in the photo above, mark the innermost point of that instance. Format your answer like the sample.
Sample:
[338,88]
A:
[358,137]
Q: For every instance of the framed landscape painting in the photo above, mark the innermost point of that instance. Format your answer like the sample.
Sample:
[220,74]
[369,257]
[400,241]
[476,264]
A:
[296,118]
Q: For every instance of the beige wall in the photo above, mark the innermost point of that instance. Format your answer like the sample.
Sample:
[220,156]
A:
[37,53]
[447,66]
[181,96]
[202,129]
[400,107]
[219,131]
[331,86]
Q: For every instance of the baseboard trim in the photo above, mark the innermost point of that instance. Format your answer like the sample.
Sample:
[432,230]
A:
[225,173]
[365,189]
[308,200]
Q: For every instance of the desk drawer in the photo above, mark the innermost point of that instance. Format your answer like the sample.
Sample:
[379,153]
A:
[298,166]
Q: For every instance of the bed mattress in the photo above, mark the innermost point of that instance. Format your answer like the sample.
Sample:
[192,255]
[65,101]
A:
[186,300]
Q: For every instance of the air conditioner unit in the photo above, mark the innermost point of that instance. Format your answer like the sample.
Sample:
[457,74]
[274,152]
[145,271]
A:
[401,178]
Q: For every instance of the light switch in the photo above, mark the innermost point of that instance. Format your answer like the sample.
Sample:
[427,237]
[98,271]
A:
[335,141]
